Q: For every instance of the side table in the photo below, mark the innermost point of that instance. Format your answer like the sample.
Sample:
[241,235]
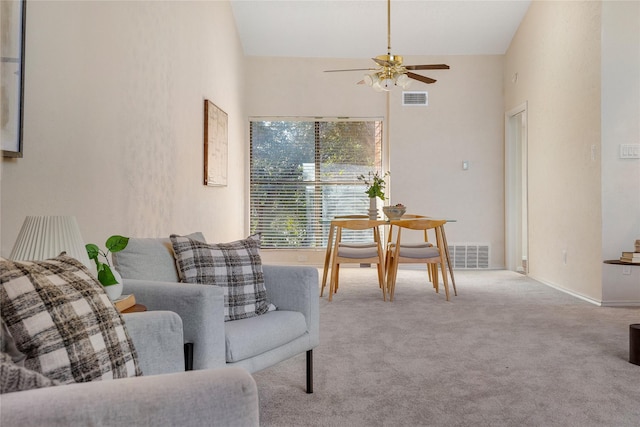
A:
[618,262]
[634,329]
[137,308]
[634,344]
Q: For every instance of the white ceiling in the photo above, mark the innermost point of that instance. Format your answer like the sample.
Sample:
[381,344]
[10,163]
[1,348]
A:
[358,28]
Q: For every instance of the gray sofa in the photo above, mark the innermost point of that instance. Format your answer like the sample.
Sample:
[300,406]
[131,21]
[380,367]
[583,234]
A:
[163,397]
[148,270]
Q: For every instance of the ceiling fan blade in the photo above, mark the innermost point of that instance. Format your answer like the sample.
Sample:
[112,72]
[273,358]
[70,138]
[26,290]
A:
[350,69]
[427,67]
[420,78]
[382,62]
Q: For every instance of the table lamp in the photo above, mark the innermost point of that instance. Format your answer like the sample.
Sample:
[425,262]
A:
[43,237]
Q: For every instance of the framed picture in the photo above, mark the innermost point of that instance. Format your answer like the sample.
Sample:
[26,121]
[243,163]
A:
[216,145]
[12,22]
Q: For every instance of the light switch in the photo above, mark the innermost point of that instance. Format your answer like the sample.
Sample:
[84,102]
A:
[630,151]
[465,165]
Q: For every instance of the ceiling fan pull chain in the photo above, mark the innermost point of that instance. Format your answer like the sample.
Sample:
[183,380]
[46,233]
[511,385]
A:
[389,27]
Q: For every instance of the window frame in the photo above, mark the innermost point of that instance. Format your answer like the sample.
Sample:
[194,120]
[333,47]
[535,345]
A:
[382,153]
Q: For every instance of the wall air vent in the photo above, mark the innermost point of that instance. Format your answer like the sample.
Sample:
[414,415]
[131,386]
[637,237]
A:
[420,99]
[470,255]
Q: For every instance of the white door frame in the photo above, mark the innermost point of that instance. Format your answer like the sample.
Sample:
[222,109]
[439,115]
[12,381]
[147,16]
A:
[516,186]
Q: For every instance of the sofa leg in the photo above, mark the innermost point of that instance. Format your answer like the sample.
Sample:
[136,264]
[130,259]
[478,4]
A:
[309,371]
[188,356]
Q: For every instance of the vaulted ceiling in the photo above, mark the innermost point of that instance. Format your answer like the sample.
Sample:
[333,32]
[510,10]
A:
[358,28]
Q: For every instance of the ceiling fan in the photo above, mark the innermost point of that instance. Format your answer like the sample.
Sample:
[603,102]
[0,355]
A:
[390,71]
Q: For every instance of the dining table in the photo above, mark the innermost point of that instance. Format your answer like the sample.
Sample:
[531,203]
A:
[382,222]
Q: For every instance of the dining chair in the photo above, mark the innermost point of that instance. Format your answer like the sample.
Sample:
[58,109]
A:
[422,253]
[344,252]
[327,256]
[391,244]
[426,240]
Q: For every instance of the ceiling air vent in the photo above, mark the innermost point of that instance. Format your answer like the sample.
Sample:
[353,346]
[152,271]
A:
[415,98]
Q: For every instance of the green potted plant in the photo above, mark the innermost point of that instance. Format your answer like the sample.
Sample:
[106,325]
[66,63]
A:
[106,276]
[375,188]
[375,184]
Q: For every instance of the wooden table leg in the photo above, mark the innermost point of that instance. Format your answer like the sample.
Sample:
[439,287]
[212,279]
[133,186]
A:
[381,267]
[446,249]
[327,260]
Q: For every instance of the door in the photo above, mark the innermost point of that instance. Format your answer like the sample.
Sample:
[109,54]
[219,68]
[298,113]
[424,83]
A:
[516,250]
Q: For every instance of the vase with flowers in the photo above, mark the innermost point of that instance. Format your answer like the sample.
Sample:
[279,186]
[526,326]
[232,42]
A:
[375,189]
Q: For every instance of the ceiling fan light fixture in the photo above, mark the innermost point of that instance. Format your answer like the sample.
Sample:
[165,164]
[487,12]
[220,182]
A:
[377,86]
[403,81]
[386,81]
[370,79]
[387,84]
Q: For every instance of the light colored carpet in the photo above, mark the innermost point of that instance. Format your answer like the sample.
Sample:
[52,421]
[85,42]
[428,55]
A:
[507,351]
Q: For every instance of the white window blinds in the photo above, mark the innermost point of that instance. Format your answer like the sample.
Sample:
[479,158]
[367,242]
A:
[304,173]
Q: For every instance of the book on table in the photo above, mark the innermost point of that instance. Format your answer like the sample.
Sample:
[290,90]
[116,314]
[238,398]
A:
[124,302]
[632,257]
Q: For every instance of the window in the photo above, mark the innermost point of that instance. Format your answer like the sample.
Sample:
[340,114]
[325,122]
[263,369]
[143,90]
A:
[303,173]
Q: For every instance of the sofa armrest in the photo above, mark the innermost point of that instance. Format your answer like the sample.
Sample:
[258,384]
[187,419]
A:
[201,308]
[220,397]
[295,288]
[157,338]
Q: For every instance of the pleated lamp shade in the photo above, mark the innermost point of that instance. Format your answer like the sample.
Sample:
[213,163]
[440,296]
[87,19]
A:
[44,237]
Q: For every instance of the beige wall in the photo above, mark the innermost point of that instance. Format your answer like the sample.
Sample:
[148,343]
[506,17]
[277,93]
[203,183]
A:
[556,54]
[620,125]
[426,145]
[114,119]
[463,122]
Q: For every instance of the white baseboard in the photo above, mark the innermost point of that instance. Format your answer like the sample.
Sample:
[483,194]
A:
[567,291]
[588,299]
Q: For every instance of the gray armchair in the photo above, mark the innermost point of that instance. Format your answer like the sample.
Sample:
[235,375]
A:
[149,271]
[163,397]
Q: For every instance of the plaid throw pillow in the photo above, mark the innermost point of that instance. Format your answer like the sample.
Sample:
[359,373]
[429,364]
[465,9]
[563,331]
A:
[14,377]
[64,322]
[236,267]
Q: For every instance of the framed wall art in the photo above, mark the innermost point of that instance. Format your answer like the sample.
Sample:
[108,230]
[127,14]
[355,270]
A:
[12,22]
[216,145]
